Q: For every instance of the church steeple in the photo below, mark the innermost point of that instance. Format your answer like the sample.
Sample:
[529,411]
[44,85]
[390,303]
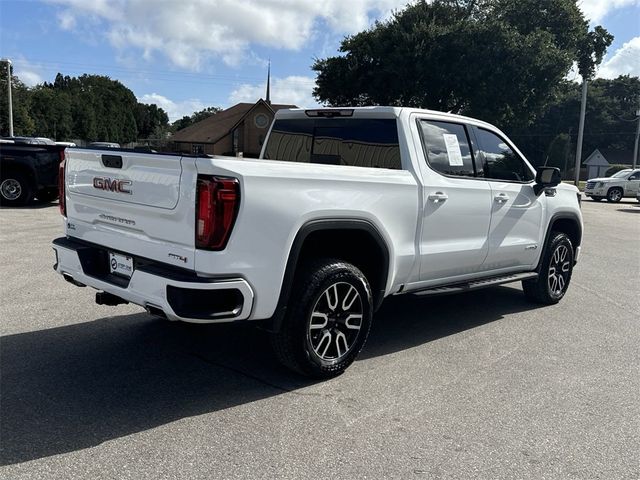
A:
[268,99]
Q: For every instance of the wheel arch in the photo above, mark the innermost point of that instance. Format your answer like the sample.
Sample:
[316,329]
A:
[318,238]
[12,166]
[566,222]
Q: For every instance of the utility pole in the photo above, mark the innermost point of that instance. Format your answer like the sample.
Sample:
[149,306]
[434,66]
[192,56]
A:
[583,107]
[9,95]
[635,145]
[567,147]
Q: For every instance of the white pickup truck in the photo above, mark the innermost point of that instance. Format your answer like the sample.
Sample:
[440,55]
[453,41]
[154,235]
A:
[345,207]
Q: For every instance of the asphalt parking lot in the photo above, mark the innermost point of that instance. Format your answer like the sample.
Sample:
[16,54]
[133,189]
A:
[479,385]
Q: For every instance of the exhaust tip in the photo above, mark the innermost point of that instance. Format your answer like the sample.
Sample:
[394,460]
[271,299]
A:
[70,279]
[106,298]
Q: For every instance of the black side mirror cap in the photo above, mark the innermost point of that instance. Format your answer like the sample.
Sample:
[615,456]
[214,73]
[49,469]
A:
[547,177]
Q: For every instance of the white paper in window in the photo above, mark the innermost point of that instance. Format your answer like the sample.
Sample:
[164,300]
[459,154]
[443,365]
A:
[453,150]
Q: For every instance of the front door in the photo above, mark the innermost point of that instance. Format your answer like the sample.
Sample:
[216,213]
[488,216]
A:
[515,234]
[633,184]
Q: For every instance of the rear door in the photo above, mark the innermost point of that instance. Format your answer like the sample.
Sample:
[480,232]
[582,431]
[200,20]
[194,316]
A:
[457,205]
[137,203]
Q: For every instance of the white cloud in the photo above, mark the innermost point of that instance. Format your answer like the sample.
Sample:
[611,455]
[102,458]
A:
[293,90]
[189,31]
[29,73]
[624,61]
[67,20]
[596,10]
[175,110]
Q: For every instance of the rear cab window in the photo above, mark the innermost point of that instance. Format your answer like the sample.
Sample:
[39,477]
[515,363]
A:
[360,142]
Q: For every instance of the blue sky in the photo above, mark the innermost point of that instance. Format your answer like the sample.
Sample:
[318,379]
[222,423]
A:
[188,54]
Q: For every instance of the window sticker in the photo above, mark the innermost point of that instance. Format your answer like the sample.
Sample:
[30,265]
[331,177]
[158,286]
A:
[453,149]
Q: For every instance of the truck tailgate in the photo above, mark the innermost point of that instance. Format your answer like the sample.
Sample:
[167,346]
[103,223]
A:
[137,203]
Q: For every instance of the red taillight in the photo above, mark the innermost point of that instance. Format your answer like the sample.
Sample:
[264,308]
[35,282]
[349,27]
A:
[217,203]
[61,197]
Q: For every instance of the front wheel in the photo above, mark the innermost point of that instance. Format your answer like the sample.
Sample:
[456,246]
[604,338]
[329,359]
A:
[328,320]
[555,271]
[614,195]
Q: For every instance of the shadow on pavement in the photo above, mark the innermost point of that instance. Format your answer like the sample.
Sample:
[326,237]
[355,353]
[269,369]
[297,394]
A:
[73,387]
[407,321]
[33,205]
[630,210]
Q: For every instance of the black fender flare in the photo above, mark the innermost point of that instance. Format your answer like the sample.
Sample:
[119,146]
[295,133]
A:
[292,261]
[555,217]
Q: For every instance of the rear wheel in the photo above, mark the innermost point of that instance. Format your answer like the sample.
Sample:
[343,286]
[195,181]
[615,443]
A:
[15,189]
[555,271]
[328,322]
[614,195]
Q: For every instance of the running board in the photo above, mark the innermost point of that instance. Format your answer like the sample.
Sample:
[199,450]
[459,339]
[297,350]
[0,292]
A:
[475,284]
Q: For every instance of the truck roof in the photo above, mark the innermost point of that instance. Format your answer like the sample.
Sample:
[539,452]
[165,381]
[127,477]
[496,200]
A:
[368,112]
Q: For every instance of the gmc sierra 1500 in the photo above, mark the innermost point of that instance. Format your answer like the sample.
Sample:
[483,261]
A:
[345,207]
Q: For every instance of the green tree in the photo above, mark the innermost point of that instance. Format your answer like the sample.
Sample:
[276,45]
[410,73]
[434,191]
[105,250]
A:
[150,119]
[23,123]
[610,121]
[499,60]
[195,117]
[51,112]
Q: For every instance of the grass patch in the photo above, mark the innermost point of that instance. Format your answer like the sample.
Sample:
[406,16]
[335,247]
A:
[581,184]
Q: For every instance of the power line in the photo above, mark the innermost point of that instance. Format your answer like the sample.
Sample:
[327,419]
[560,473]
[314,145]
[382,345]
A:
[195,77]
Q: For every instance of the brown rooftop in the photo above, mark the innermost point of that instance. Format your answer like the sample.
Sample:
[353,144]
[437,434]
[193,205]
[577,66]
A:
[213,128]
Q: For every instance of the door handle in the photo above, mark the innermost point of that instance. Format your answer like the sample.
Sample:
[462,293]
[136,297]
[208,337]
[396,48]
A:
[438,197]
[501,198]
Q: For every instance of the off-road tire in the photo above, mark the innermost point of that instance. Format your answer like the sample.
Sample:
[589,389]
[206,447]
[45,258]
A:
[314,284]
[557,260]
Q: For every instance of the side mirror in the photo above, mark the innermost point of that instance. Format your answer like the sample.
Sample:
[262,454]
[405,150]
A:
[547,177]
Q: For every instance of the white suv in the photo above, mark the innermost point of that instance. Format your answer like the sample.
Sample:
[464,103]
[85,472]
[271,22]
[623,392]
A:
[625,183]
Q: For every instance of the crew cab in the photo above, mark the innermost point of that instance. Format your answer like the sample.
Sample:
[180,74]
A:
[625,183]
[29,168]
[344,208]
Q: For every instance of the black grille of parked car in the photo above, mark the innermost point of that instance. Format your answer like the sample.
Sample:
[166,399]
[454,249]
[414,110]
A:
[591,184]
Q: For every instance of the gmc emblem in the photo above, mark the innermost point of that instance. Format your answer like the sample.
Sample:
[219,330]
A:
[112,185]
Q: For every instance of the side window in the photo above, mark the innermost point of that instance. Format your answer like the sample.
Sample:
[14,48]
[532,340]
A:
[500,162]
[635,176]
[446,147]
